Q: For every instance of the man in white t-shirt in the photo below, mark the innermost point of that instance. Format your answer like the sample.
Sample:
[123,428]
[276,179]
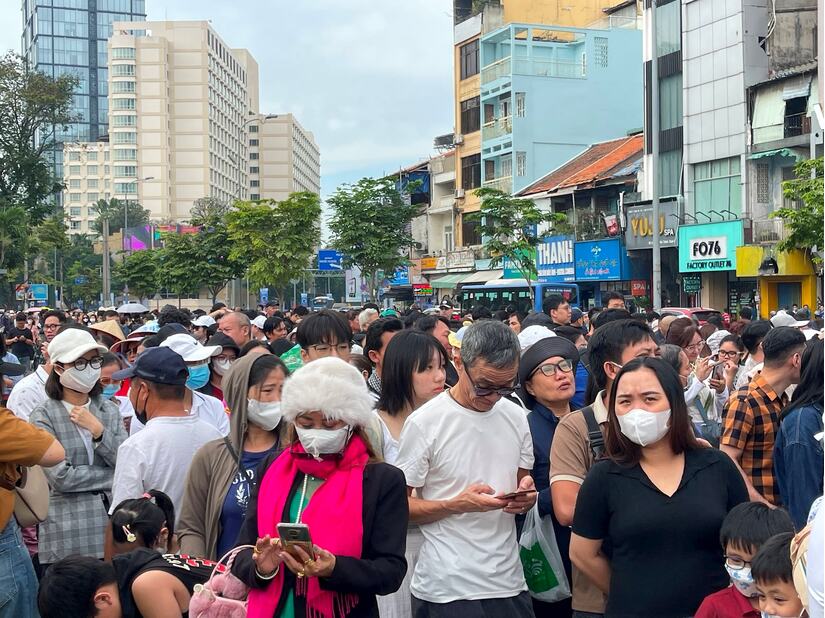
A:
[159,456]
[461,453]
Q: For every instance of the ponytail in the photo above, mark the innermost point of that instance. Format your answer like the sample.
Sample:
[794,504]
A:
[142,519]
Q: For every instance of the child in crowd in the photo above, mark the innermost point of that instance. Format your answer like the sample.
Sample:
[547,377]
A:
[744,530]
[141,522]
[773,574]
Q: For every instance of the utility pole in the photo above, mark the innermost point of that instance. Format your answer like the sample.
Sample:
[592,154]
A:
[107,283]
[654,160]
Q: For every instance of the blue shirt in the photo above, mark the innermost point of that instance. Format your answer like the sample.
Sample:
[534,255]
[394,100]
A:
[577,403]
[237,498]
[797,461]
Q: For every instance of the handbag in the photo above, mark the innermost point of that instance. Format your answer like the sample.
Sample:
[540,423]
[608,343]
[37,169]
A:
[217,597]
[31,502]
[541,559]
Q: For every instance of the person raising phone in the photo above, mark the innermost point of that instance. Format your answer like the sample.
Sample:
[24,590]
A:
[326,490]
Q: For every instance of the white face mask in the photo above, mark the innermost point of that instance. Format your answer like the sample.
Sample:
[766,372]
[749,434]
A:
[742,581]
[80,381]
[222,366]
[319,442]
[265,414]
[644,427]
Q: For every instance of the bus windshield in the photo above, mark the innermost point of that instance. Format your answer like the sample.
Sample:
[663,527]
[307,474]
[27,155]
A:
[502,297]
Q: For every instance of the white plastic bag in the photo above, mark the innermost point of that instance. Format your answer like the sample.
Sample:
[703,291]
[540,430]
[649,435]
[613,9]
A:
[540,557]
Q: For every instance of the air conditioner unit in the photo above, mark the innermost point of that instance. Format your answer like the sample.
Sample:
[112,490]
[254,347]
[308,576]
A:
[459,139]
[459,194]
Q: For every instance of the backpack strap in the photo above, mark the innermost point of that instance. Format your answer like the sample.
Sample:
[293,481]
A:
[594,432]
[234,454]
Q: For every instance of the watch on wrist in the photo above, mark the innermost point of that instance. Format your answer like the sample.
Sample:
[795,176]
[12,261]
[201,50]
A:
[99,438]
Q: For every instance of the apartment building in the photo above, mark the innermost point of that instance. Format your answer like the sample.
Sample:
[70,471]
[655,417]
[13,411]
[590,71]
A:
[283,158]
[87,175]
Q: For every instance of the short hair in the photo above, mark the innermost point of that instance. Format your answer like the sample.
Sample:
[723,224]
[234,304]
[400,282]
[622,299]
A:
[217,307]
[21,317]
[717,321]
[173,315]
[772,562]
[55,313]
[480,312]
[300,310]
[748,525]
[250,313]
[746,313]
[243,319]
[552,302]
[68,587]
[360,362]
[754,333]
[370,306]
[145,517]
[493,342]
[272,324]
[110,359]
[671,354]
[571,333]
[626,452]
[325,327]
[593,312]
[365,315]
[610,315]
[409,352]
[614,295]
[427,323]
[111,313]
[681,332]
[608,342]
[780,343]
[373,342]
[537,318]
[251,345]
[165,392]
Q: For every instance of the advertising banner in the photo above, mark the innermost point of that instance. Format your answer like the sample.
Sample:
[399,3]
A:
[709,246]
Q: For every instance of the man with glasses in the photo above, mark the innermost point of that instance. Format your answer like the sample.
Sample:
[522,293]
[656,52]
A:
[326,333]
[52,321]
[464,453]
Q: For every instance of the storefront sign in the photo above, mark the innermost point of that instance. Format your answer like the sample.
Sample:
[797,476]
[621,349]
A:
[434,263]
[691,283]
[461,260]
[554,261]
[601,260]
[638,287]
[709,246]
[422,289]
[639,232]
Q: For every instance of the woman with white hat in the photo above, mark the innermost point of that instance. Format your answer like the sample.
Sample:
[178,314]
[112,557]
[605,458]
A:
[89,428]
[327,487]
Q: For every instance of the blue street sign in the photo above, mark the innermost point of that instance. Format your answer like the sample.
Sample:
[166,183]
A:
[330,259]
[81,279]
[304,298]
[264,294]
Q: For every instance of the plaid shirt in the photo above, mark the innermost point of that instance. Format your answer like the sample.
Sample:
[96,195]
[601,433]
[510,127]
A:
[751,419]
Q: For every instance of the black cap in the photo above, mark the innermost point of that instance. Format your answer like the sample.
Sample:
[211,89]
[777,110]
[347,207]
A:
[159,365]
[539,352]
[11,369]
[224,341]
[273,303]
[173,328]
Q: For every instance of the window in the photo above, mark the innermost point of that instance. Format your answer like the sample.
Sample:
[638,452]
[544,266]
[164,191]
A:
[448,238]
[600,51]
[125,171]
[123,87]
[92,197]
[521,163]
[255,196]
[74,211]
[121,104]
[91,155]
[521,104]
[670,102]
[254,183]
[123,70]
[788,174]
[470,115]
[254,169]
[470,232]
[253,128]
[469,59]
[91,211]
[125,137]
[92,170]
[670,172]
[74,183]
[717,186]
[253,142]
[74,156]
[123,53]
[763,188]
[74,197]
[125,154]
[91,183]
[74,225]
[253,156]
[74,170]
[471,172]
[668,28]
[124,121]
[126,188]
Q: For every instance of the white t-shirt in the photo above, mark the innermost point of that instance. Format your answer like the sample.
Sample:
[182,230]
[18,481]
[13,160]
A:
[390,444]
[28,393]
[444,448]
[206,407]
[159,457]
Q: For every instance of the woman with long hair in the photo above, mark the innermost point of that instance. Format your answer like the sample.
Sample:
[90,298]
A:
[222,474]
[657,500]
[329,490]
[148,521]
[90,430]
[797,453]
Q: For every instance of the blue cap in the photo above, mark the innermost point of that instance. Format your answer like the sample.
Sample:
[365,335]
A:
[159,365]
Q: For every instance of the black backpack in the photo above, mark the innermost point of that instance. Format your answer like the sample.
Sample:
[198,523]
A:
[594,432]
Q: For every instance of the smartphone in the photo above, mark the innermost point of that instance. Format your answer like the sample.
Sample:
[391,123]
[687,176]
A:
[515,494]
[718,371]
[296,535]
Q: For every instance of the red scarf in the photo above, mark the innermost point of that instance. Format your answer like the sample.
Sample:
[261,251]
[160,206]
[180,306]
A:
[333,516]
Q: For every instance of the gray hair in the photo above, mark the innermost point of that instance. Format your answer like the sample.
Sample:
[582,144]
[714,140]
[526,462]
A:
[491,341]
[243,319]
[671,354]
[365,316]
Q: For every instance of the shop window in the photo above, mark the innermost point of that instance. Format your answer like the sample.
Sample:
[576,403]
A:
[470,232]
[717,186]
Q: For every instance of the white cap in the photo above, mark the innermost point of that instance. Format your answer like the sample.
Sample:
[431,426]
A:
[783,318]
[188,347]
[204,321]
[71,344]
[532,334]
[259,321]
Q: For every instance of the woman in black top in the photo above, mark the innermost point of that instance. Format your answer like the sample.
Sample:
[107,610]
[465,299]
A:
[647,519]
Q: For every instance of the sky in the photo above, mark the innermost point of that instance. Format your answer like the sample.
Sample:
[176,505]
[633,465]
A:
[372,79]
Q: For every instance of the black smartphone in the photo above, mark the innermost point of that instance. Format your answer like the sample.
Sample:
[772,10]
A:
[515,494]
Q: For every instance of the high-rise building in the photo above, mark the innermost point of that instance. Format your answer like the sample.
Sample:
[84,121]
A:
[69,38]
[283,158]
[88,178]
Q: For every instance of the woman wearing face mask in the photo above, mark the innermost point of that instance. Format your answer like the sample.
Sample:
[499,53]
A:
[223,471]
[148,521]
[111,364]
[327,478]
[220,365]
[658,501]
[90,430]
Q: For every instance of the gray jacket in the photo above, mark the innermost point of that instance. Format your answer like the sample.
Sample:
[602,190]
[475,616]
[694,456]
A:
[77,513]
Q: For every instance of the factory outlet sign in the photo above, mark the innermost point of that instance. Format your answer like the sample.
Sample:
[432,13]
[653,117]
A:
[709,246]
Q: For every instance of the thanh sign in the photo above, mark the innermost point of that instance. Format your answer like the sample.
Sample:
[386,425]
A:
[709,246]
[639,232]
[554,261]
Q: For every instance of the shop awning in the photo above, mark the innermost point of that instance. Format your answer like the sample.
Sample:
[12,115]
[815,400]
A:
[796,87]
[483,276]
[447,281]
[768,114]
[779,152]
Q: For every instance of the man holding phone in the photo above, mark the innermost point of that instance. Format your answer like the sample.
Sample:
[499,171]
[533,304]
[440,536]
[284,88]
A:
[467,456]
[21,341]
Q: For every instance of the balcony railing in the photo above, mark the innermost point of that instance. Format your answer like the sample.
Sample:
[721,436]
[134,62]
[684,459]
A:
[797,124]
[496,70]
[570,69]
[497,128]
[769,231]
[503,183]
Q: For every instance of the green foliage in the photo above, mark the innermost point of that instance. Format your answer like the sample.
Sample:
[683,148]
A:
[119,212]
[14,236]
[804,224]
[506,224]
[141,272]
[370,225]
[275,240]
[88,291]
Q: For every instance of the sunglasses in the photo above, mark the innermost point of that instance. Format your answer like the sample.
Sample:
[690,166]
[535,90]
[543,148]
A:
[504,391]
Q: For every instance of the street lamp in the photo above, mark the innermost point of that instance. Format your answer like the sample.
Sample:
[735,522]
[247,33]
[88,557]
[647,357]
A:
[126,208]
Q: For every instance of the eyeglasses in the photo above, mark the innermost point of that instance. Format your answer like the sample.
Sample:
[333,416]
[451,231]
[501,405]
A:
[51,326]
[736,563]
[549,369]
[323,348]
[81,363]
[484,392]
[695,346]
[723,353]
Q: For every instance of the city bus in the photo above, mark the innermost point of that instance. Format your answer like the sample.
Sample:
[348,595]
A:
[502,293]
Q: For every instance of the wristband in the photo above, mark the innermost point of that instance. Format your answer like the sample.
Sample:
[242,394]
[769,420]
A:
[267,577]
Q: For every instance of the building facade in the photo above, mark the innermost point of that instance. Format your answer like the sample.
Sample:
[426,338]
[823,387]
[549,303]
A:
[87,175]
[69,38]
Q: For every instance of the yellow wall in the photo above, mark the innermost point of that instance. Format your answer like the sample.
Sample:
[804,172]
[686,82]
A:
[769,299]
[794,267]
[575,13]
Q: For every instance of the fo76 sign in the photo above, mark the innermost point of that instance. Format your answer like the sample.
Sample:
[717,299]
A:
[713,248]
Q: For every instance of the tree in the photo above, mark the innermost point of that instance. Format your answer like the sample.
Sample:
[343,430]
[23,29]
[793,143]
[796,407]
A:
[804,223]
[207,208]
[370,225]
[120,212]
[275,240]
[140,271]
[509,228]
[82,284]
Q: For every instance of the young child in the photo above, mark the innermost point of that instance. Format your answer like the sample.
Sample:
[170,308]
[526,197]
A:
[744,530]
[773,574]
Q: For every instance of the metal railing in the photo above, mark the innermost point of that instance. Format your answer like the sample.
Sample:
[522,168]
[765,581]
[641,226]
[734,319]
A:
[769,231]
[496,70]
[497,128]
[797,124]
[503,183]
[570,69]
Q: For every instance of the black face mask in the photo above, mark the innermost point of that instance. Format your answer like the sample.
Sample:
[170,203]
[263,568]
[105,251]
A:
[141,416]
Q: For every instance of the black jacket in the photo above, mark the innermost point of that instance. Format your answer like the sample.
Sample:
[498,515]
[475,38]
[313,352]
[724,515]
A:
[382,565]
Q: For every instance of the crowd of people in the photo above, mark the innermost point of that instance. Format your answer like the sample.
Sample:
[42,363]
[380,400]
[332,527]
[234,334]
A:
[379,462]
